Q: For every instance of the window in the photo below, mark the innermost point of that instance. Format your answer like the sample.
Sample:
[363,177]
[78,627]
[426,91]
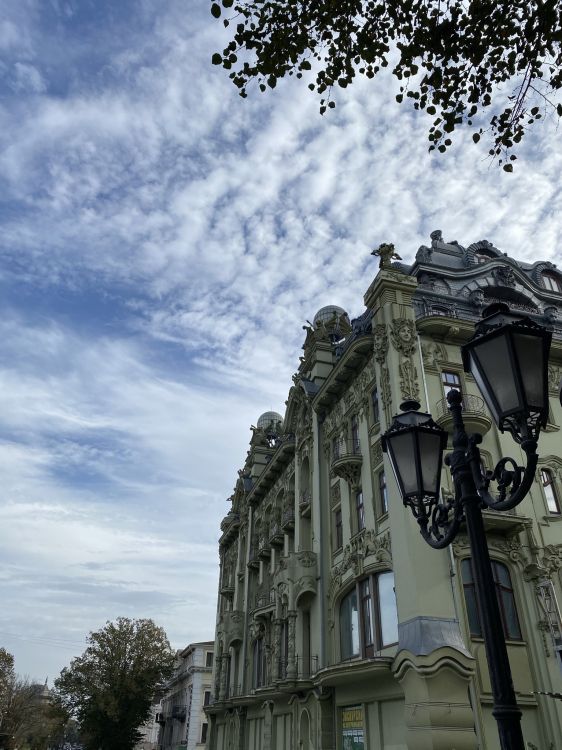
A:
[354,434]
[481,258]
[451,380]
[552,282]
[368,617]
[376,405]
[549,489]
[383,493]
[359,510]
[335,448]
[506,600]
[259,663]
[206,697]
[204,726]
[338,529]
[209,659]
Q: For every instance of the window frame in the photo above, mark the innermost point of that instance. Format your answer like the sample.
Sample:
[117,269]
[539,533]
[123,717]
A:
[382,487]
[204,731]
[551,484]
[501,591]
[359,508]
[368,609]
[446,387]
[376,405]
[551,282]
[212,655]
[338,528]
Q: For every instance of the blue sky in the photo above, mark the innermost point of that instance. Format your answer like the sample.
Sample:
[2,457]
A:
[162,243]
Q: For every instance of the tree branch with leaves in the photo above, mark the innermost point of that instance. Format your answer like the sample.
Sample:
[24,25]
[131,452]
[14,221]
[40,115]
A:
[495,67]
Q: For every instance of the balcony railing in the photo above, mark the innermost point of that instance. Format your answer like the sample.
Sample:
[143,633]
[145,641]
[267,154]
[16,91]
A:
[288,520]
[345,448]
[470,404]
[276,534]
[253,559]
[265,599]
[306,666]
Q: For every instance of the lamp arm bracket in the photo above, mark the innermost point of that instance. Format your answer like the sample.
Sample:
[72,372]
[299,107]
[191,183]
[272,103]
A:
[513,481]
[440,522]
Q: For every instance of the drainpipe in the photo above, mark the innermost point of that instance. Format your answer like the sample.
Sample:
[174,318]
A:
[323,537]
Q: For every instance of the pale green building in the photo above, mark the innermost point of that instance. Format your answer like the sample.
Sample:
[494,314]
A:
[337,626]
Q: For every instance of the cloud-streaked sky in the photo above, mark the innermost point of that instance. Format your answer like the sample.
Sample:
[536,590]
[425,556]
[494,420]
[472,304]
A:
[162,243]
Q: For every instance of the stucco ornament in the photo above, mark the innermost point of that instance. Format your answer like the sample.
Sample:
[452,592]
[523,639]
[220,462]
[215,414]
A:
[386,254]
[380,338]
[433,353]
[504,276]
[376,454]
[403,336]
[409,380]
[554,377]
[386,394]
[335,494]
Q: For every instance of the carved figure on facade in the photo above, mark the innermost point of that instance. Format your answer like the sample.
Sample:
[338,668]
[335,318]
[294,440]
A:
[504,276]
[424,254]
[380,342]
[376,454]
[362,546]
[386,254]
[386,394]
[335,494]
[476,297]
[409,387]
[433,353]
[403,336]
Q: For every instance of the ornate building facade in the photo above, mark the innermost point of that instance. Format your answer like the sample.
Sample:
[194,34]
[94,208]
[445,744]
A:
[337,626]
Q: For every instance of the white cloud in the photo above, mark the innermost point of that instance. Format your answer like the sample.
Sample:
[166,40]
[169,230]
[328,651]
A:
[206,229]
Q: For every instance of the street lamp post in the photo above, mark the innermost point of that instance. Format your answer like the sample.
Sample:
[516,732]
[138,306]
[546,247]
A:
[508,357]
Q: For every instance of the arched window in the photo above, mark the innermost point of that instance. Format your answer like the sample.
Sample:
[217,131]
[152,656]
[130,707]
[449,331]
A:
[259,663]
[552,282]
[506,600]
[368,616]
[550,492]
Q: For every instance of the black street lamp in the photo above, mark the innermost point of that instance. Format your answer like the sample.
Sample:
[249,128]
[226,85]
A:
[508,357]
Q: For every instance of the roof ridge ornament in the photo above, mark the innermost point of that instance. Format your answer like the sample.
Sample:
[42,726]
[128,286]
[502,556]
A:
[386,254]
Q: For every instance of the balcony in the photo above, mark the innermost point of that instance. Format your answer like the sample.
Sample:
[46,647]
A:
[264,602]
[304,503]
[288,519]
[474,414]
[264,550]
[227,589]
[347,461]
[229,527]
[276,535]
[253,559]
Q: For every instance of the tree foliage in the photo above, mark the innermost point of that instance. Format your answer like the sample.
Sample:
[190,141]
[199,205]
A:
[491,65]
[109,689]
[28,720]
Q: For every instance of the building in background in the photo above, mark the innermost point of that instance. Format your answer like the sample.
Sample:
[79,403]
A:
[179,721]
[337,625]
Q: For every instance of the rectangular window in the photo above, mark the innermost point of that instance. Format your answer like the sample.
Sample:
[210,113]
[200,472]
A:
[209,659]
[506,600]
[349,626]
[376,405]
[204,726]
[338,529]
[383,493]
[451,380]
[366,616]
[360,510]
[206,697]
[549,490]
[354,434]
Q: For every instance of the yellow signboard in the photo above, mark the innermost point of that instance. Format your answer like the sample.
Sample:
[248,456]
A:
[353,736]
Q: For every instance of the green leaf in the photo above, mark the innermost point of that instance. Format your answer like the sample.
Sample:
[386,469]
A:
[476,137]
[216,10]
[508,167]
